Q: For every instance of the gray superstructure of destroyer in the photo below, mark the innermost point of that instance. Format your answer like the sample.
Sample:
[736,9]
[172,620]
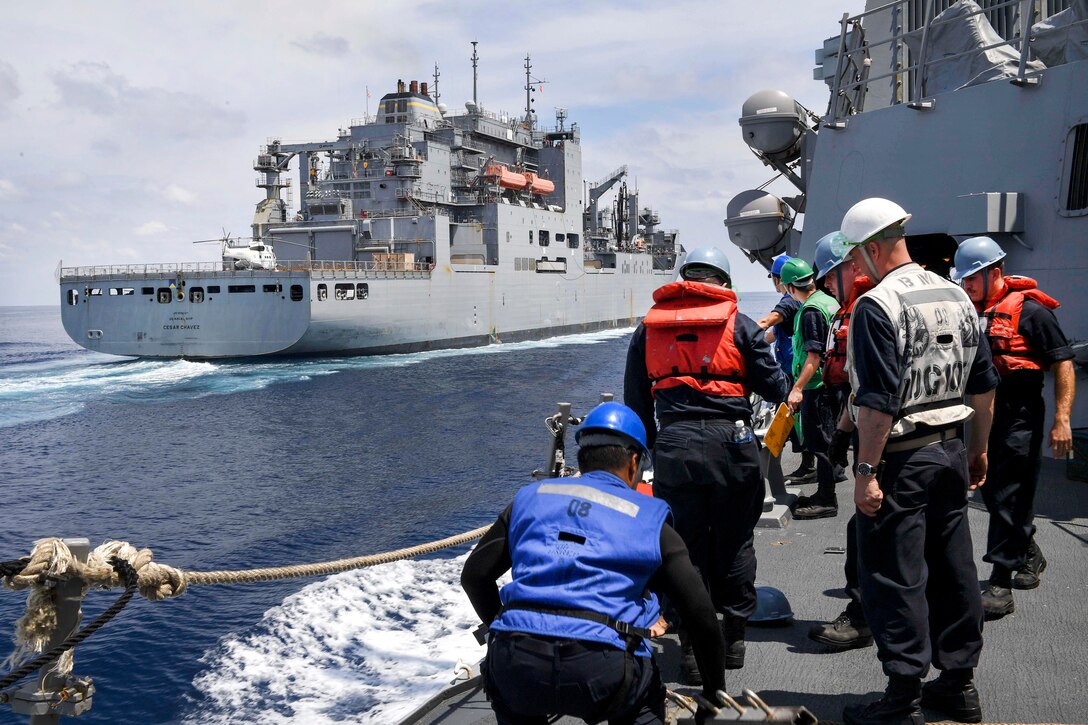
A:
[417,229]
[952,110]
[942,107]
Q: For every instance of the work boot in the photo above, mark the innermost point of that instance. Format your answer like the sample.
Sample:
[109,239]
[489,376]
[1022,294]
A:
[689,668]
[1028,577]
[954,695]
[848,631]
[997,601]
[733,634]
[900,705]
[804,473]
[820,505]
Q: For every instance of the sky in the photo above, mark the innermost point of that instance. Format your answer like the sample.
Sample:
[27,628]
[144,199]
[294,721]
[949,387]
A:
[128,130]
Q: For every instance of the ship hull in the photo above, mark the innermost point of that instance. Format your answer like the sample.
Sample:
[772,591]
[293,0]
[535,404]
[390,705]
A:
[211,314]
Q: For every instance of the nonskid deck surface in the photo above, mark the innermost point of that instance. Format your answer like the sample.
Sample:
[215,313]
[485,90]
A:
[1034,667]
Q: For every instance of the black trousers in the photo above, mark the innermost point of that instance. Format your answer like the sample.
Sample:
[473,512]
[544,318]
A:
[714,487]
[922,609]
[1015,455]
[850,568]
[818,419]
[529,678]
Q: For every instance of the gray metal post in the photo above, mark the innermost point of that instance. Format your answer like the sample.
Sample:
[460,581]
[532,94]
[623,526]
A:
[53,695]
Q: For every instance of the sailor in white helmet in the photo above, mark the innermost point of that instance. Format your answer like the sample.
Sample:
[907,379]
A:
[917,374]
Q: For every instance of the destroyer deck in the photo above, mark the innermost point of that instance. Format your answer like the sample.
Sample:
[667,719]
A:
[1033,667]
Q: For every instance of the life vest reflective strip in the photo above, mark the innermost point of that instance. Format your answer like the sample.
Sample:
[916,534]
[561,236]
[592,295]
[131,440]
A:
[828,306]
[689,340]
[1001,323]
[835,357]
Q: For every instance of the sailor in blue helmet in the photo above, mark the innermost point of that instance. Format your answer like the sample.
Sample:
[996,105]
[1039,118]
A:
[569,635]
[779,326]
[1027,341]
[691,366]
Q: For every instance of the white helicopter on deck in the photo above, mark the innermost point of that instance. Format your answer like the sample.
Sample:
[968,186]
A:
[250,254]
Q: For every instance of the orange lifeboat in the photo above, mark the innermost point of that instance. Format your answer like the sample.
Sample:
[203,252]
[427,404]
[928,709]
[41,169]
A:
[539,185]
[507,179]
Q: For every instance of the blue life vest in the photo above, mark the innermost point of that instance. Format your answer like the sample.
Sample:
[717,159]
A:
[783,345]
[587,543]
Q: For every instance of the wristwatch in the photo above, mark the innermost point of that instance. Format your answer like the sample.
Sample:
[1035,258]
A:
[866,469]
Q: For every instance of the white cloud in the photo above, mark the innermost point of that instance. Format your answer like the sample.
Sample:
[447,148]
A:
[173,192]
[149,228]
[95,87]
[9,87]
[332,46]
[8,190]
[17,228]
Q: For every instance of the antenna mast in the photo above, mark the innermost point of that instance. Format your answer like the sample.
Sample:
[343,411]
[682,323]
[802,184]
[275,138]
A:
[530,88]
[475,61]
[434,95]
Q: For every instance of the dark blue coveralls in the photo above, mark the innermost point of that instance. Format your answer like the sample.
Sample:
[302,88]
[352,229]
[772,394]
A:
[919,583]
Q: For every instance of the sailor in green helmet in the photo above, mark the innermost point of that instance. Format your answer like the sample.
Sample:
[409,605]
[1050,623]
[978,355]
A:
[809,396]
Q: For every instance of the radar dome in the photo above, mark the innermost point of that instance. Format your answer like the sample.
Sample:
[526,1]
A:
[774,125]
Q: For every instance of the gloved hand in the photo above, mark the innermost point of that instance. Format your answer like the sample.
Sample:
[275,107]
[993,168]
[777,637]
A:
[839,447]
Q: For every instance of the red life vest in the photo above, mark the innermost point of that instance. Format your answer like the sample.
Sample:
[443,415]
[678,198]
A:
[689,340]
[835,358]
[1001,323]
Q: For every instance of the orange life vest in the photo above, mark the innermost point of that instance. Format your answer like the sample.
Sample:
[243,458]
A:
[1001,323]
[835,358]
[689,340]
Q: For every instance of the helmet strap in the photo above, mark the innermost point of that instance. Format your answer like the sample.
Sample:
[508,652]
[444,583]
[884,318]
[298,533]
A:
[864,252]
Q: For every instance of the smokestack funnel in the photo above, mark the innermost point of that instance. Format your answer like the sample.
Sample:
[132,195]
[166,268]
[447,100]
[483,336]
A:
[414,87]
[423,88]
[400,86]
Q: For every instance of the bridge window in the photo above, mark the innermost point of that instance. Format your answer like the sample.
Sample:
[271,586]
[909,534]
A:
[572,241]
[362,291]
[213,289]
[273,288]
[322,292]
[1074,194]
[296,293]
[545,238]
[345,292]
[73,297]
[233,288]
[121,291]
[96,292]
[147,290]
[196,295]
[164,294]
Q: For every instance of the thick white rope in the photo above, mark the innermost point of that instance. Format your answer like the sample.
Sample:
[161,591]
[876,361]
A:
[52,560]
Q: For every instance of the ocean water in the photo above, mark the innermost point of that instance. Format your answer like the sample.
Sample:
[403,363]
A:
[239,465]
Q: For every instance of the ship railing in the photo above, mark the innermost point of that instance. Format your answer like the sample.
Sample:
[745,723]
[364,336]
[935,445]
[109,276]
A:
[853,74]
[322,268]
[365,269]
[125,271]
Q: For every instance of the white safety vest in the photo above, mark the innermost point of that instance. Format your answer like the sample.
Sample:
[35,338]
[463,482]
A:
[937,334]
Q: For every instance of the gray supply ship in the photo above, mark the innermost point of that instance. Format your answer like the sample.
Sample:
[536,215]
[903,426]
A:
[417,229]
[973,117]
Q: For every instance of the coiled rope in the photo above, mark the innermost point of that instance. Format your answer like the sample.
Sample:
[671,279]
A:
[118,563]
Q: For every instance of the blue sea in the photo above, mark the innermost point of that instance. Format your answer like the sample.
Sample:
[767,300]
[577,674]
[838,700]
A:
[235,465]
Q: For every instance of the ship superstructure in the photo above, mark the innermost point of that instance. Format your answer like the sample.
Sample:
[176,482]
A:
[417,228]
[972,116]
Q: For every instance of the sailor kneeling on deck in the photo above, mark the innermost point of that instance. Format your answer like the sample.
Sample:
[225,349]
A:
[570,634]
